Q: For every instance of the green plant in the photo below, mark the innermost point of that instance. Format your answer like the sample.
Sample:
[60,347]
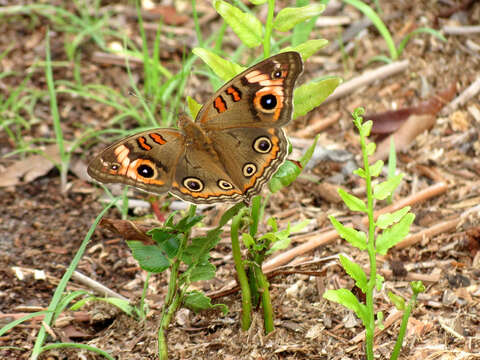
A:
[393,227]
[395,51]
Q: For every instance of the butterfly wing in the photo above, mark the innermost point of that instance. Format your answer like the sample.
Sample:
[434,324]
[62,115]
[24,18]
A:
[146,160]
[261,96]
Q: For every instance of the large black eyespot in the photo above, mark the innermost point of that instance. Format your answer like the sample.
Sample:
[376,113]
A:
[193,184]
[262,145]
[224,185]
[268,102]
[145,171]
[249,169]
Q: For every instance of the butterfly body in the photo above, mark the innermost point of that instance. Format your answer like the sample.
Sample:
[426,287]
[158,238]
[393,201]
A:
[233,147]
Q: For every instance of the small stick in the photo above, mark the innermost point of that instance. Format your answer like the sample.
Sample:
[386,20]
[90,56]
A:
[432,231]
[461,30]
[461,99]
[389,321]
[367,78]
[317,126]
[95,285]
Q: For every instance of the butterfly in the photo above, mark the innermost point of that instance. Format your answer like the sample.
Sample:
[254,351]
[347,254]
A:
[232,148]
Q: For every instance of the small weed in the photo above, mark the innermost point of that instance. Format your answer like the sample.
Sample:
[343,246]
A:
[393,228]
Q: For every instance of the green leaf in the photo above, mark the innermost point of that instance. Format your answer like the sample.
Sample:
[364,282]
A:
[367,128]
[248,240]
[186,223]
[193,106]
[308,96]
[223,68]
[385,220]
[392,236]
[406,39]
[272,222]
[288,17]
[370,148]
[360,172]
[247,27]
[379,282]
[347,299]
[380,324]
[376,168]
[308,48]
[258,2]
[397,301]
[149,257]
[197,301]
[279,244]
[299,226]
[203,272]
[354,237]
[198,252]
[168,241]
[352,202]
[285,175]
[355,272]
[383,189]
[309,153]
[417,287]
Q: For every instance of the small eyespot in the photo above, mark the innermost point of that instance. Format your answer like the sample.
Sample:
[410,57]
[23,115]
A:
[249,169]
[277,74]
[268,102]
[224,185]
[262,145]
[114,167]
[145,171]
[193,184]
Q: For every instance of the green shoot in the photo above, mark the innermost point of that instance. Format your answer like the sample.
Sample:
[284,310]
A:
[392,227]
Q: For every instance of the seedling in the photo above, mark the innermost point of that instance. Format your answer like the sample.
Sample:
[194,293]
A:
[393,227]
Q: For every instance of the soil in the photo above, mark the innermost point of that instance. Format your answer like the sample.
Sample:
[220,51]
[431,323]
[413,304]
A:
[41,227]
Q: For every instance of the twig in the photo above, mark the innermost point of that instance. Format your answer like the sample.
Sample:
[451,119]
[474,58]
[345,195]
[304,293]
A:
[95,285]
[318,125]
[432,231]
[461,30]
[367,78]
[461,99]
[389,321]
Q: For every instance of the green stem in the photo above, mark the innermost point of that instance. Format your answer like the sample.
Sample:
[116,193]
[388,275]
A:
[263,286]
[198,31]
[403,327]
[144,294]
[246,319]
[370,325]
[268,29]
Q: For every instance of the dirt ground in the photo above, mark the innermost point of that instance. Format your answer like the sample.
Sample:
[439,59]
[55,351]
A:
[41,227]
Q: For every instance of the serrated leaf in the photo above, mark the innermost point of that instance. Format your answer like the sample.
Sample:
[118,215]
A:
[356,272]
[360,172]
[224,69]
[149,257]
[392,236]
[308,48]
[382,190]
[352,202]
[246,26]
[203,272]
[288,17]
[370,148]
[376,168]
[385,220]
[367,128]
[308,96]
[248,240]
[397,301]
[347,299]
[354,237]
[193,106]
[197,301]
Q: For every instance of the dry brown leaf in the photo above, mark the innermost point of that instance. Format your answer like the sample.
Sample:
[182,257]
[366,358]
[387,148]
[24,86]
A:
[30,168]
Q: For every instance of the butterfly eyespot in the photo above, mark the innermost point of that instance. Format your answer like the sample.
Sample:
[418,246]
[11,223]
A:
[249,169]
[262,145]
[277,74]
[268,102]
[114,167]
[145,171]
[193,184]
[224,185]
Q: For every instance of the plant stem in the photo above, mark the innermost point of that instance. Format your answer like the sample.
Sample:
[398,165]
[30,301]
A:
[268,29]
[370,325]
[403,327]
[246,319]
[263,285]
